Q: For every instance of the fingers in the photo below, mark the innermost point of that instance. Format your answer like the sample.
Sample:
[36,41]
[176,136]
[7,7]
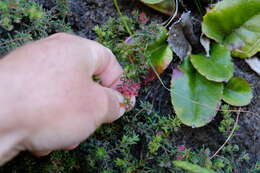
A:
[114,107]
[99,60]
[9,145]
[108,68]
[41,153]
[8,156]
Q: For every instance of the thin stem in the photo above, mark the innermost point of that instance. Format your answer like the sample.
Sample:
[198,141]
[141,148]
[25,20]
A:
[229,137]
[169,21]
[123,20]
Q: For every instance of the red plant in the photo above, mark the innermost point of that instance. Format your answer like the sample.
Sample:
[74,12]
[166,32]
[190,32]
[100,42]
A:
[143,17]
[179,157]
[128,88]
[180,148]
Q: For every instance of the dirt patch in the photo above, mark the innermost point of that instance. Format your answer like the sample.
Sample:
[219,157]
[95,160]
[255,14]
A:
[248,136]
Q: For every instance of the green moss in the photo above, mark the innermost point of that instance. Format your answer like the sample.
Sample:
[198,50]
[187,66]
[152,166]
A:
[129,50]
[22,21]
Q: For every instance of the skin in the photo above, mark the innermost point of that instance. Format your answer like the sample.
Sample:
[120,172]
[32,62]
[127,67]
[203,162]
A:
[48,98]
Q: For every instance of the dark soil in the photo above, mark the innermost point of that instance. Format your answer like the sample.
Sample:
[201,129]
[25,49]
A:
[88,13]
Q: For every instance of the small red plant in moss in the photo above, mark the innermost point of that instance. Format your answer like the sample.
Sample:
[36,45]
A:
[179,157]
[180,148]
[143,18]
[128,88]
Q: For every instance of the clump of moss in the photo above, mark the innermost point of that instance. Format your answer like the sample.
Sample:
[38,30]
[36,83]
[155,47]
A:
[22,21]
[129,49]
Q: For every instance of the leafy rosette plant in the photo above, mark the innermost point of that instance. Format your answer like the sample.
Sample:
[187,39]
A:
[164,6]
[202,81]
[199,84]
[236,24]
[195,99]
[158,52]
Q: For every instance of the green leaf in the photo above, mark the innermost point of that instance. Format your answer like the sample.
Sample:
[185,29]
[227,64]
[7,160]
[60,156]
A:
[218,67]
[237,92]
[164,6]
[195,99]
[152,1]
[191,167]
[159,52]
[235,23]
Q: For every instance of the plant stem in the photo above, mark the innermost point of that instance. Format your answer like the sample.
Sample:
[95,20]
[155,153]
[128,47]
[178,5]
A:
[229,137]
[123,20]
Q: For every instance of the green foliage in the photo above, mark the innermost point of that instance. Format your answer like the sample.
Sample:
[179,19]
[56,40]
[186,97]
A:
[154,145]
[240,32]
[164,6]
[13,12]
[237,92]
[159,52]
[226,125]
[195,99]
[191,167]
[31,22]
[132,51]
[152,1]
[195,87]
[228,163]
[218,67]
[62,162]
[256,168]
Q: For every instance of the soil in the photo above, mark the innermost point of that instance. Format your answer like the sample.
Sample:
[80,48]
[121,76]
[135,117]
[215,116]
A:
[88,13]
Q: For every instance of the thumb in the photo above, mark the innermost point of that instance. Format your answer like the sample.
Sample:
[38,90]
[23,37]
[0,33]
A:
[115,104]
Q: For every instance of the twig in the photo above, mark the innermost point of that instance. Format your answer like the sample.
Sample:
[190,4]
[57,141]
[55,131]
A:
[169,21]
[124,22]
[229,137]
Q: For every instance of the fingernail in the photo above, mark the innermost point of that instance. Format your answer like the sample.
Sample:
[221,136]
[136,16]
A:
[122,108]
[132,102]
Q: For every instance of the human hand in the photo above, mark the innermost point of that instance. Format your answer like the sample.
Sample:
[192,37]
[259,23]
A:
[48,98]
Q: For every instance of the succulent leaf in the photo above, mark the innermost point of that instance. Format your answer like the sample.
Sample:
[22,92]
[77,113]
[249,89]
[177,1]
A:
[195,99]
[217,67]
[236,24]
[237,92]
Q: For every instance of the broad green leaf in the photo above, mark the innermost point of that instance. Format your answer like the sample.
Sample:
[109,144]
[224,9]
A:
[254,64]
[235,23]
[161,57]
[152,1]
[237,92]
[191,167]
[159,52]
[218,67]
[195,99]
[164,6]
